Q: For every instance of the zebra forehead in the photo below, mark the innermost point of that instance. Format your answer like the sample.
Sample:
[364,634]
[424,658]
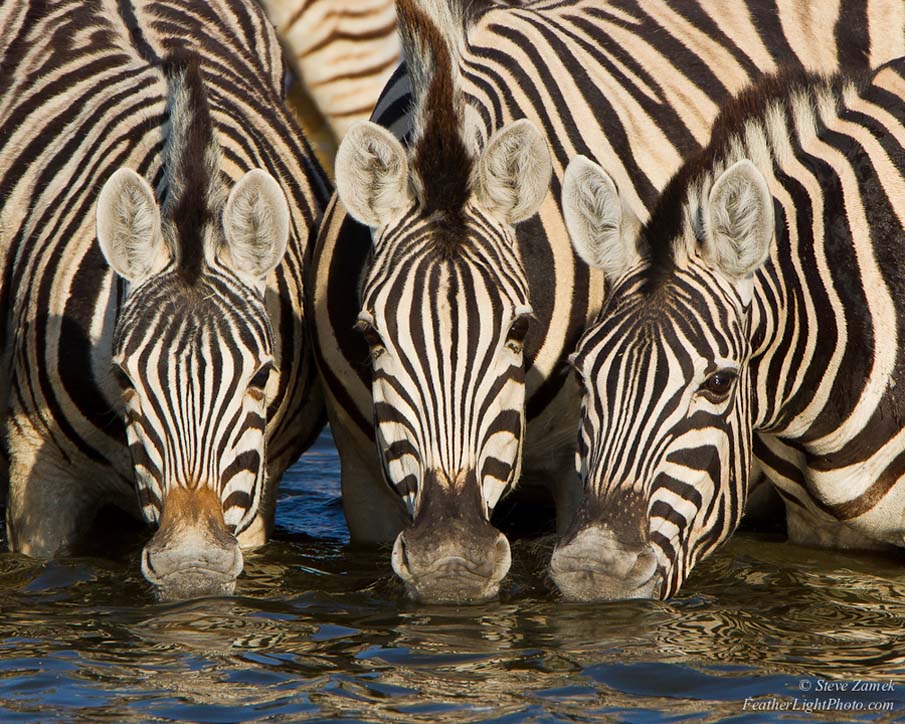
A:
[471,242]
[462,278]
[686,313]
[211,312]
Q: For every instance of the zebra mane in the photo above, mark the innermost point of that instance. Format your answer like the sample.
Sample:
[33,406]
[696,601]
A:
[756,125]
[191,165]
[441,160]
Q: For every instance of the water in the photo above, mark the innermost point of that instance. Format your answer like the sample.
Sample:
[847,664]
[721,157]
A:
[319,630]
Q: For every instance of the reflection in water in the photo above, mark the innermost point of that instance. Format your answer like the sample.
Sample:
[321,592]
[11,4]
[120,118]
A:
[321,629]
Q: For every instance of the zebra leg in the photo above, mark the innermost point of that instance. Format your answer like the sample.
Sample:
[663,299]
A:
[49,510]
[374,512]
[548,456]
[261,528]
[808,522]
[764,508]
[257,534]
[5,374]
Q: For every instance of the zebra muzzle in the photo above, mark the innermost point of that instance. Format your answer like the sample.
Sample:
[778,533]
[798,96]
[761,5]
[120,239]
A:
[452,574]
[451,554]
[595,565]
[186,574]
[192,554]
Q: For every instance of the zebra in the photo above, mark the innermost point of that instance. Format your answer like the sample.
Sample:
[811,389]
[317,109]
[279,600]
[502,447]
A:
[342,51]
[719,346]
[452,207]
[169,355]
[629,85]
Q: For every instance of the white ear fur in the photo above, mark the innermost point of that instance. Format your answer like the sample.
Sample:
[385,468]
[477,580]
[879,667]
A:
[372,174]
[128,227]
[256,225]
[738,220]
[514,171]
[601,228]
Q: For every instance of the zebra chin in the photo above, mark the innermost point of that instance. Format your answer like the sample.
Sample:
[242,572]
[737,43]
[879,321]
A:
[595,565]
[192,554]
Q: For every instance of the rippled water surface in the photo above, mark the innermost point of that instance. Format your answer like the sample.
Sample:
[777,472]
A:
[320,630]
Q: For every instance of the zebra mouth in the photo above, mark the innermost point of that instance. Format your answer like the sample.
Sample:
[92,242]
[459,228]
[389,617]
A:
[452,583]
[593,583]
[196,583]
[595,567]
[452,578]
[456,567]
[192,578]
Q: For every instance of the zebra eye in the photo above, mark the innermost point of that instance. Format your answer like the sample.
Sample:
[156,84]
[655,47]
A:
[126,387]
[259,381]
[719,385]
[122,379]
[371,336]
[515,338]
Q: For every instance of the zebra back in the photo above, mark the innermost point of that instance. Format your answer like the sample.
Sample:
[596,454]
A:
[343,52]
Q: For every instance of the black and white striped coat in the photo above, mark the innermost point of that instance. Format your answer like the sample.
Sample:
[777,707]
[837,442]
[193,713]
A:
[635,86]
[90,88]
[343,52]
[757,318]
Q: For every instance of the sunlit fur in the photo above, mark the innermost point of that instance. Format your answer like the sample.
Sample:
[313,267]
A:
[166,350]
[817,349]
[342,50]
[448,384]
[636,87]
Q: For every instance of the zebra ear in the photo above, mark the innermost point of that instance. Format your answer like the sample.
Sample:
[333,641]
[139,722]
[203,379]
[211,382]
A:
[738,220]
[602,231]
[256,225]
[128,227]
[514,171]
[372,174]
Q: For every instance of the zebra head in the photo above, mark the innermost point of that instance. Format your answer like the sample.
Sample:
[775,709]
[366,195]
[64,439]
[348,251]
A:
[445,310]
[192,346]
[665,437]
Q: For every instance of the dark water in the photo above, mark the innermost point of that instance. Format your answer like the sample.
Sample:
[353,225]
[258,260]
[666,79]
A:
[319,630]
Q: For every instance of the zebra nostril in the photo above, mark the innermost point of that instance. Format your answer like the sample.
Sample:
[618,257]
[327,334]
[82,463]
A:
[399,559]
[645,566]
[502,558]
[147,567]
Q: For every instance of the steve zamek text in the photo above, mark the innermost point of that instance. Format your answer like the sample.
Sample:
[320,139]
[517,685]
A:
[853,686]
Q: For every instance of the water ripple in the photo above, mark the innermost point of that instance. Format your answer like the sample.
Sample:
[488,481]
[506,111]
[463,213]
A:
[319,629]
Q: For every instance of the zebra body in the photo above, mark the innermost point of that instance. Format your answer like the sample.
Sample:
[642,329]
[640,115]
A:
[90,89]
[343,52]
[758,315]
[632,85]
